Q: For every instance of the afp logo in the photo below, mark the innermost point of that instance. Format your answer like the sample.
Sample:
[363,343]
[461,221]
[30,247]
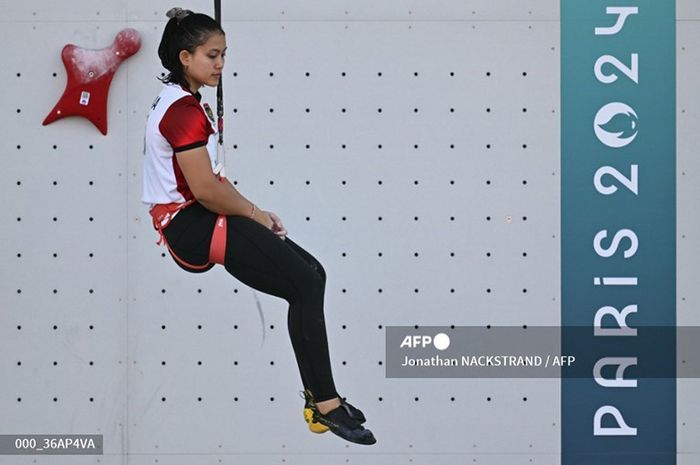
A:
[441,341]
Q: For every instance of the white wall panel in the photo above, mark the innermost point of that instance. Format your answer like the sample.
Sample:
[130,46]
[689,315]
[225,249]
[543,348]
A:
[115,290]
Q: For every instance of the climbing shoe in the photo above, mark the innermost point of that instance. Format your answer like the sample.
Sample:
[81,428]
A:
[310,404]
[341,423]
[309,407]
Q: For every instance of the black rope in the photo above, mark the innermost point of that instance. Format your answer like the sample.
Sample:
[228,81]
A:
[220,88]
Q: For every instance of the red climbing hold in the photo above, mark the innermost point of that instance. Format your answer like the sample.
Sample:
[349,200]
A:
[89,75]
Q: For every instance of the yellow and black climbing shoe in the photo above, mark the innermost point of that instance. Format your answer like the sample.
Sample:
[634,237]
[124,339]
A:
[309,407]
[310,404]
[341,423]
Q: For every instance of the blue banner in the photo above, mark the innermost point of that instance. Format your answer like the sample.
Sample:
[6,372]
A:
[618,229]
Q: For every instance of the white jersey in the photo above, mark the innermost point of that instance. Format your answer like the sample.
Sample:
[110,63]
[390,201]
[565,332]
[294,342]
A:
[177,121]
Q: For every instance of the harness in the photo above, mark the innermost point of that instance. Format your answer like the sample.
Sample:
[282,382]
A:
[162,214]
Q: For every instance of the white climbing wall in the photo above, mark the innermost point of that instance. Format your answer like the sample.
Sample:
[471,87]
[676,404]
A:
[412,147]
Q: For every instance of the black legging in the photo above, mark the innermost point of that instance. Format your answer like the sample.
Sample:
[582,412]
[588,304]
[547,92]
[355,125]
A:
[259,258]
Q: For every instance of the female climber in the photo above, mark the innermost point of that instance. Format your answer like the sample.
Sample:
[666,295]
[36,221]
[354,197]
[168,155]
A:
[204,220]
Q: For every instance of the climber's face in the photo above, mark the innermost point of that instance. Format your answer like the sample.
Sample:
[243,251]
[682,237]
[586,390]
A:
[205,66]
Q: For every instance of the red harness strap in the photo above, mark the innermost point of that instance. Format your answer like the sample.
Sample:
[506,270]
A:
[217,247]
[162,214]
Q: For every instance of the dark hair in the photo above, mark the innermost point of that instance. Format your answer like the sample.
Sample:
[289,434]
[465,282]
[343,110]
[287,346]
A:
[186,30]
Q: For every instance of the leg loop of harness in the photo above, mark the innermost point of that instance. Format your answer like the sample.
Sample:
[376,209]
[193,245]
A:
[217,247]
[162,214]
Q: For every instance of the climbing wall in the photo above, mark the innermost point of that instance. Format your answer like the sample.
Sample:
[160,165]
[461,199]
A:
[412,148]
